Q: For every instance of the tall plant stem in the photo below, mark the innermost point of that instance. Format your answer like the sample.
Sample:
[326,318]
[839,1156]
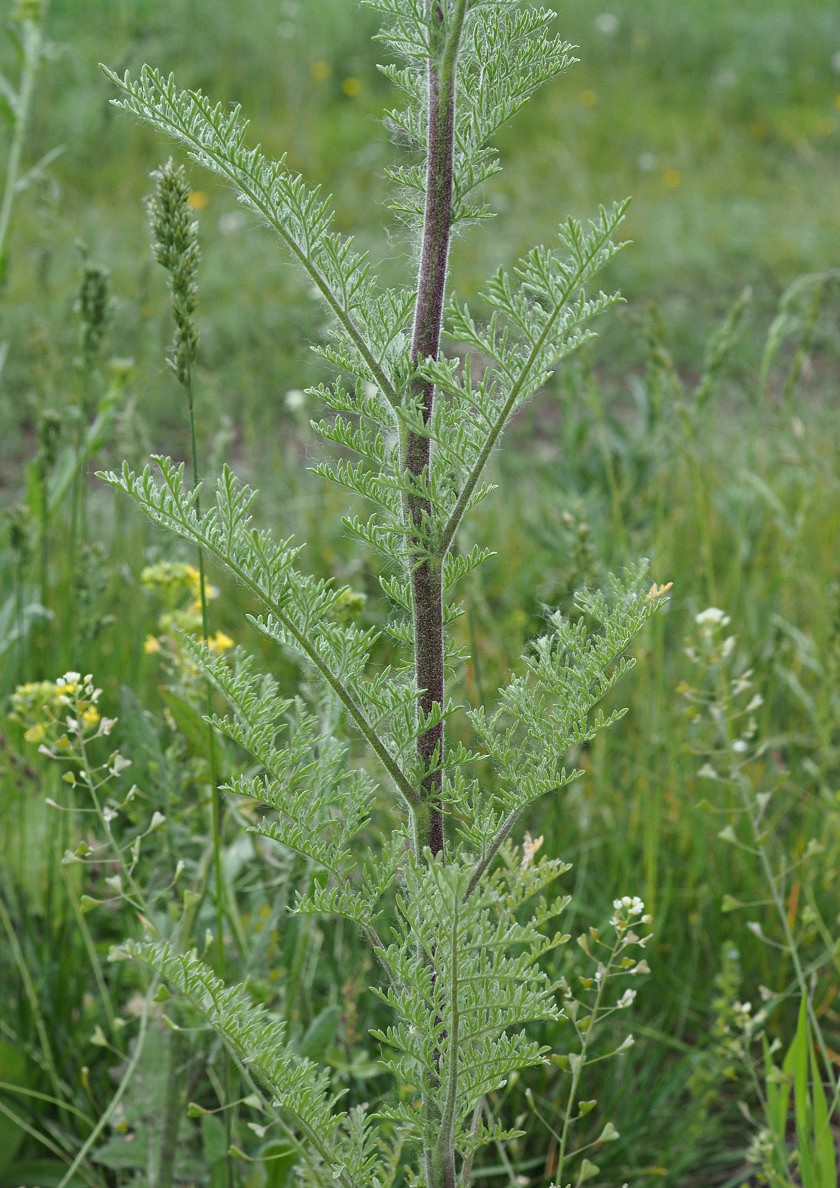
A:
[215,794]
[32,41]
[446,19]
[427,562]
[216,806]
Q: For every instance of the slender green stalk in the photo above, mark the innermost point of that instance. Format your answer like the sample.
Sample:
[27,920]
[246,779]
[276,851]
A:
[175,236]
[127,1076]
[92,306]
[759,835]
[216,806]
[93,956]
[34,1004]
[31,18]
[176,248]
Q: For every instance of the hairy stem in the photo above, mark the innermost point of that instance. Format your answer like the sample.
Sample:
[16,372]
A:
[427,562]
[446,20]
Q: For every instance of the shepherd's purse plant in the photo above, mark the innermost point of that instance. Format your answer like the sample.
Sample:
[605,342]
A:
[458,917]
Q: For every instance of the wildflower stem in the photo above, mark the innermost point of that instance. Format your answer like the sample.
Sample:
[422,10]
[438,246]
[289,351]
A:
[175,236]
[427,563]
[446,21]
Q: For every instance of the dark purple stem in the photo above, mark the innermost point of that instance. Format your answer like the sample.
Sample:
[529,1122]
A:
[426,577]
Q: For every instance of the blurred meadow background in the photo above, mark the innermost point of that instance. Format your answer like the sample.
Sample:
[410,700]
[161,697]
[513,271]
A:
[701,429]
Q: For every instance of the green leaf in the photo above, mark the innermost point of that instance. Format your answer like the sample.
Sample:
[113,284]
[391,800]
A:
[279,1161]
[188,721]
[213,1139]
[14,1070]
[320,1033]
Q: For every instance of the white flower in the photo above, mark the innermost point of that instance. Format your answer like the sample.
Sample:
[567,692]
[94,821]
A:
[607,23]
[712,617]
[295,399]
[631,903]
[740,745]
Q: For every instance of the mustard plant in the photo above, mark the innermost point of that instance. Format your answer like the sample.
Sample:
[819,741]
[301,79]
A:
[459,918]
[803,1094]
[126,854]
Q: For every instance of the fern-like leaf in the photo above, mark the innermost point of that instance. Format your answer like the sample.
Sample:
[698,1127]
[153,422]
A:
[214,136]
[299,609]
[338,1141]
[458,1011]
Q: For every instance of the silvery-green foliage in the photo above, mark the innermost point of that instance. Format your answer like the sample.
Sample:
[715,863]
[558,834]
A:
[506,54]
[334,1141]
[459,923]
[457,1011]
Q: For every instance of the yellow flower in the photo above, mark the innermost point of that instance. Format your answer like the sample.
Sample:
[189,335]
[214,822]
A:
[672,178]
[89,717]
[68,684]
[198,200]
[588,98]
[320,70]
[36,734]
[351,86]
[151,645]
[219,642]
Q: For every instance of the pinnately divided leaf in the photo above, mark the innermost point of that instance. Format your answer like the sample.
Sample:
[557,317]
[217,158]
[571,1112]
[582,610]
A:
[298,1088]
[298,609]
[457,1034]
[214,136]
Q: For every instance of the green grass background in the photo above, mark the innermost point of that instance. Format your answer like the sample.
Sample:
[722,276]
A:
[723,122]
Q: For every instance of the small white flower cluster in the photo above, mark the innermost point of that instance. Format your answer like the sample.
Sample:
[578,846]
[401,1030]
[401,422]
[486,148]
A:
[712,617]
[712,649]
[629,909]
[711,621]
[761,1150]
[79,694]
[750,1022]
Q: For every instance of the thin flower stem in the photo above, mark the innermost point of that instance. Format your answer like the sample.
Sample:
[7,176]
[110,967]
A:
[216,806]
[790,940]
[581,1063]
